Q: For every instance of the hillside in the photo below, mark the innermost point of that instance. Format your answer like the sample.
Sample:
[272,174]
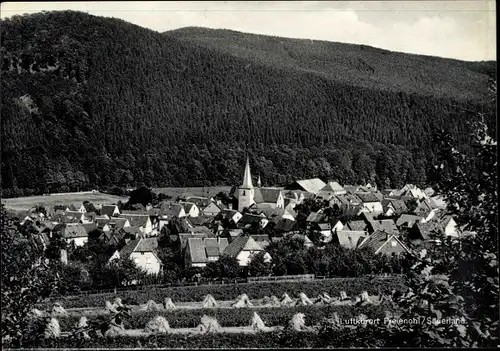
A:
[90,101]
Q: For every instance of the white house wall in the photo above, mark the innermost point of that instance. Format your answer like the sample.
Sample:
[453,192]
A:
[146,261]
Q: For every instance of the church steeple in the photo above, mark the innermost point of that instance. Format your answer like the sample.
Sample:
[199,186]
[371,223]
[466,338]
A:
[247,177]
[259,182]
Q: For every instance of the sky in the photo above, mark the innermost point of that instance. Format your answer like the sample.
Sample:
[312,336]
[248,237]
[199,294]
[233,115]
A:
[464,30]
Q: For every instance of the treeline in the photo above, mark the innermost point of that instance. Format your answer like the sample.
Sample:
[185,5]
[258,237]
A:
[105,102]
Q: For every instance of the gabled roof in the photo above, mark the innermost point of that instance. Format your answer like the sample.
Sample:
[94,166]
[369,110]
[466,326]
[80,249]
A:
[333,187]
[356,225]
[242,243]
[248,218]
[316,217]
[267,195]
[89,227]
[379,239]
[74,231]
[408,220]
[201,202]
[136,220]
[118,222]
[147,245]
[367,197]
[108,210]
[398,206]
[348,199]
[201,230]
[200,249]
[423,208]
[385,224]
[350,239]
[187,206]
[426,229]
[197,221]
[312,186]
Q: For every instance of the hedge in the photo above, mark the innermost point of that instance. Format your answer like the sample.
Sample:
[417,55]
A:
[352,286]
[190,318]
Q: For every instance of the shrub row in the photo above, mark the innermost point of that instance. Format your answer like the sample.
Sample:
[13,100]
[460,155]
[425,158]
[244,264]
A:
[352,286]
[190,318]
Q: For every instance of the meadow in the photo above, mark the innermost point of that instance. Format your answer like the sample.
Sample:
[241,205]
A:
[25,203]
[193,191]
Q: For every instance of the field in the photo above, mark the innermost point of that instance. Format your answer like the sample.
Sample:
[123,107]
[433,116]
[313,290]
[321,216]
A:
[201,191]
[352,286]
[25,203]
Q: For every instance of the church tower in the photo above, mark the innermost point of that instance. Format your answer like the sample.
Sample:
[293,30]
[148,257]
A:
[259,182]
[246,190]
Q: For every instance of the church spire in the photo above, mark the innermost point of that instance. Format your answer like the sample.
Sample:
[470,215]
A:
[259,182]
[247,177]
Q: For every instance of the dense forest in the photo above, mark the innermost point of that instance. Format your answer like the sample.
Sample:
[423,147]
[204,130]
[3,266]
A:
[89,102]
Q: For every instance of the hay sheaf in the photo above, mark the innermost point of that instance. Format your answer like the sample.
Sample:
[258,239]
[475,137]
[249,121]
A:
[209,325]
[298,322]
[158,325]
[303,300]
[257,323]
[169,304]
[59,311]
[209,302]
[53,329]
[286,300]
[152,306]
[242,301]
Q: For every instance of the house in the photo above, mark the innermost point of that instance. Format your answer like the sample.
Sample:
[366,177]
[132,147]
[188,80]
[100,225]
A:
[170,210]
[110,210]
[200,251]
[307,242]
[244,248]
[423,233]
[450,227]
[425,210]
[316,217]
[274,214]
[211,210]
[143,251]
[413,191]
[190,209]
[351,189]
[89,227]
[143,222]
[230,234]
[75,216]
[249,220]
[381,242]
[273,197]
[312,186]
[370,203]
[324,229]
[75,232]
[118,223]
[407,221]
[82,208]
[184,237]
[357,225]
[229,215]
[330,190]
[285,225]
[201,202]
[438,202]
[261,239]
[350,239]
[393,207]
[387,225]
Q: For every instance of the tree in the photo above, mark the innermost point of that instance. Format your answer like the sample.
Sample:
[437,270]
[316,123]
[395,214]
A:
[258,266]
[224,267]
[469,290]
[412,205]
[26,279]
[142,195]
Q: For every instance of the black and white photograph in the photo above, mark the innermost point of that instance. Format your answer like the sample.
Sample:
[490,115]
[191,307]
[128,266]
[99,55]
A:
[249,175]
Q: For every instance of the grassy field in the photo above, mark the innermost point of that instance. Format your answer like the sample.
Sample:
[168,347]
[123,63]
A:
[25,203]
[206,191]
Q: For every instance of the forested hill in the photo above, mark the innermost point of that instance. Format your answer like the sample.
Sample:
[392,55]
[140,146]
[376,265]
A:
[90,101]
[354,65]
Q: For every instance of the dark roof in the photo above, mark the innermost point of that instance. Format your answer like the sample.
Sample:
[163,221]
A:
[378,239]
[108,210]
[368,197]
[89,227]
[140,245]
[187,206]
[139,220]
[398,206]
[199,249]
[197,221]
[201,202]
[285,225]
[242,243]
[385,224]
[426,229]
[129,248]
[266,195]
[170,209]
[117,222]
[316,217]
[248,218]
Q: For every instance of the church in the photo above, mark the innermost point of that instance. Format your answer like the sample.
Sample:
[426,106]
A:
[257,197]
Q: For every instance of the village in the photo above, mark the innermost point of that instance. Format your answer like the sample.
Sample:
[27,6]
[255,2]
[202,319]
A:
[351,216]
